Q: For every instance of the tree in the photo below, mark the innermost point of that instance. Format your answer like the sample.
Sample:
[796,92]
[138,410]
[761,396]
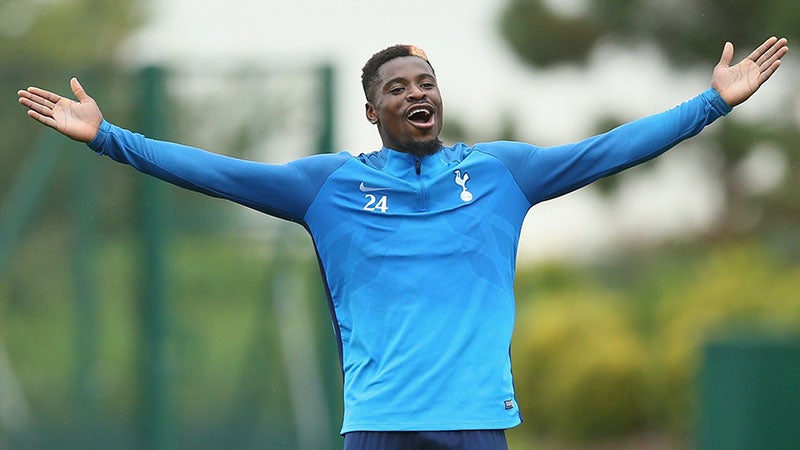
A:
[545,33]
[43,43]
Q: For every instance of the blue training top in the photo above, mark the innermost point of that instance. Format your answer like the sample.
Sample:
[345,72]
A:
[418,255]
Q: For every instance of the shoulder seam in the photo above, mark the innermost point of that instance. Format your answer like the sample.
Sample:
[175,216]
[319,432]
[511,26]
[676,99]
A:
[345,159]
[475,148]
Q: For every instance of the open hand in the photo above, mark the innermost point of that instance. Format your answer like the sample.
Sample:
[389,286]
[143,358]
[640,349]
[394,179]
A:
[737,83]
[78,120]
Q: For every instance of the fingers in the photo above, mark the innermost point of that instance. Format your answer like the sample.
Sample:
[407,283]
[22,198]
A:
[762,49]
[50,96]
[46,120]
[78,90]
[39,108]
[29,98]
[773,49]
[768,71]
[727,55]
[40,104]
[770,59]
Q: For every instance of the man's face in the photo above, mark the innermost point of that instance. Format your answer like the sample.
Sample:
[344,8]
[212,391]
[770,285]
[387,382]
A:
[407,106]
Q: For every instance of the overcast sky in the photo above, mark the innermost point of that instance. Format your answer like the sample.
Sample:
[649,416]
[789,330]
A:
[480,79]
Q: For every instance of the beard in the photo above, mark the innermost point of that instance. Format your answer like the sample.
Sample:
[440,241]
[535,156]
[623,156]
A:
[423,148]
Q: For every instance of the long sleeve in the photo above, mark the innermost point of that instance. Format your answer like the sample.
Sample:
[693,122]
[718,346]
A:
[284,191]
[544,173]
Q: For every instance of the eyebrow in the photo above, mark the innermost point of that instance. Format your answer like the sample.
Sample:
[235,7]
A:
[404,79]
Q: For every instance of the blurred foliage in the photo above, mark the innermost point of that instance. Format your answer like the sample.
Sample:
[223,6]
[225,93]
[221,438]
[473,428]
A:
[81,366]
[65,33]
[582,371]
[615,350]
[544,34]
[599,351]
[43,43]
[224,353]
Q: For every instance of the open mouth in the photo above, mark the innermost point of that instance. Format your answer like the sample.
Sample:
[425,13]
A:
[421,115]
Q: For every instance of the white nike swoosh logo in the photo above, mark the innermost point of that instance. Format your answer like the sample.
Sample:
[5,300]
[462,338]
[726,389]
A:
[363,188]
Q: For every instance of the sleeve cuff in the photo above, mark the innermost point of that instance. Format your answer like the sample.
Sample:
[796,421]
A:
[717,102]
[96,144]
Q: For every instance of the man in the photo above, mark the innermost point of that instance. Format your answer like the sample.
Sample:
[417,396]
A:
[417,241]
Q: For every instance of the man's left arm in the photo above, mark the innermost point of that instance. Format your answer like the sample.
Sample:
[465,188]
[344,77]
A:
[545,173]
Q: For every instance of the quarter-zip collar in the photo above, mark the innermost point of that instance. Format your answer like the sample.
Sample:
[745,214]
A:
[408,166]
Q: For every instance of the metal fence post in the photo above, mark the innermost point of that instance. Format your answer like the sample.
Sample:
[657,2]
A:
[156,431]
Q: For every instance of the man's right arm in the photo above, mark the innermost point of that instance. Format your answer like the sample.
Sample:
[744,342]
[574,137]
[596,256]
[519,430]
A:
[284,190]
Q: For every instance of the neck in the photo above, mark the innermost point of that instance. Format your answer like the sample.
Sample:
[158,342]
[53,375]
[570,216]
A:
[419,149]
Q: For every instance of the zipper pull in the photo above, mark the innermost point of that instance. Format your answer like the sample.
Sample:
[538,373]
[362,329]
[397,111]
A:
[418,166]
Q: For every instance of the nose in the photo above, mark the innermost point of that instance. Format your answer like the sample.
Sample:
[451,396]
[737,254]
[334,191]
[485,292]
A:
[415,93]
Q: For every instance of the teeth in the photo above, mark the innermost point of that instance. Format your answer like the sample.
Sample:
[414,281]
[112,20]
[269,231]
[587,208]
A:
[419,110]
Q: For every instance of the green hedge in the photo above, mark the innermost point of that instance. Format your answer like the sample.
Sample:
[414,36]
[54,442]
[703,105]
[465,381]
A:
[598,352]
[597,357]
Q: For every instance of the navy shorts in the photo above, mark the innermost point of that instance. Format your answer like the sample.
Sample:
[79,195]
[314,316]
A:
[426,440]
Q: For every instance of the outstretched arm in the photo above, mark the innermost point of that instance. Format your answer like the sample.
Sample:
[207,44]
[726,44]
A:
[737,83]
[78,120]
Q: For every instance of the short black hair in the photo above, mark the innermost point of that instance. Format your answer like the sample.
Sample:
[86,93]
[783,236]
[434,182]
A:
[369,74]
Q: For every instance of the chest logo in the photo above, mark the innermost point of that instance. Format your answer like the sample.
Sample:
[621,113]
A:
[466,196]
[364,188]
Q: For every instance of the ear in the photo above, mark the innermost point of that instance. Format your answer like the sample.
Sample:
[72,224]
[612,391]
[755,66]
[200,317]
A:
[372,115]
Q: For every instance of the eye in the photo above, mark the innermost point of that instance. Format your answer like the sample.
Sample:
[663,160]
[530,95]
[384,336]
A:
[428,85]
[396,90]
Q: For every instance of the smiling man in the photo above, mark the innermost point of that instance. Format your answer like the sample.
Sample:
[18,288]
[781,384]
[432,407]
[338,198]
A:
[416,241]
[404,100]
